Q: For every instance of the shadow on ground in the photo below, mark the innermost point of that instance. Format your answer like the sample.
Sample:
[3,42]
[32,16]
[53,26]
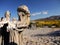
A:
[12,43]
[55,33]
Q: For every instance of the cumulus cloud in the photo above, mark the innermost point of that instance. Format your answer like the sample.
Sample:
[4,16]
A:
[37,13]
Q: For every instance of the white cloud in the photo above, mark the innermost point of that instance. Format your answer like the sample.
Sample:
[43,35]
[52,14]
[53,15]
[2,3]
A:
[45,12]
[37,13]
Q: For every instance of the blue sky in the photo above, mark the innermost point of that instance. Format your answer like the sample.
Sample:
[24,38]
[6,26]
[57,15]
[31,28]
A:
[38,8]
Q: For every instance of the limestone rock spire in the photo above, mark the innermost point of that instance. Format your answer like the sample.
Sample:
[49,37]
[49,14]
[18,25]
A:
[23,15]
[7,15]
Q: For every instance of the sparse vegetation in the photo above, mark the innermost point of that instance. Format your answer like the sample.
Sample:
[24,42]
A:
[48,23]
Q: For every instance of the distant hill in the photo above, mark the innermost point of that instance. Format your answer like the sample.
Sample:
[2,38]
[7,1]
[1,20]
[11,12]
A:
[52,21]
[50,18]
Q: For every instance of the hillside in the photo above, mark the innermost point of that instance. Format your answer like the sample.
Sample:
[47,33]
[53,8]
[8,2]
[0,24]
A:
[51,18]
[49,21]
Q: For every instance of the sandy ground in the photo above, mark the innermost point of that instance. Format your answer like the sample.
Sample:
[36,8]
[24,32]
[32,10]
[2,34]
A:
[42,36]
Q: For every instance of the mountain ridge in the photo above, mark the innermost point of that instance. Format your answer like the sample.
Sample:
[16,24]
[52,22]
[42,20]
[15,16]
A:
[50,18]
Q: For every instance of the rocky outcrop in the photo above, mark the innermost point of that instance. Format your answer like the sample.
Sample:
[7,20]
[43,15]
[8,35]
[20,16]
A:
[11,30]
